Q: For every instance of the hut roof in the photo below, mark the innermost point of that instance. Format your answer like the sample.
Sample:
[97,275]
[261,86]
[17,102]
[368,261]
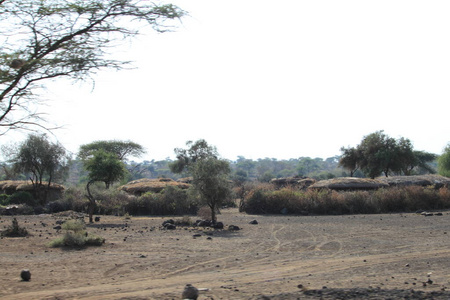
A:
[302,182]
[349,183]
[185,180]
[144,185]
[421,180]
[25,185]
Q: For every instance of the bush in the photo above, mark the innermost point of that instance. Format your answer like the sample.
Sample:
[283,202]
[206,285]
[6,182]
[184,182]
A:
[261,200]
[22,198]
[113,202]
[4,199]
[15,230]
[76,236]
[171,201]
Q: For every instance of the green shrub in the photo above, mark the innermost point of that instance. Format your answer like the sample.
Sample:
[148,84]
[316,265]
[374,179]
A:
[171,201]
[261,200]
[14,230]
[4,199]
[22,198]
[74,225]
[76,236]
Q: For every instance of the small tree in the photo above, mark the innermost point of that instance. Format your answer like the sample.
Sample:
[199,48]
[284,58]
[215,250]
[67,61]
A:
[105,167]
[210,174]
[120,149]
[210,180]
[350,159]
[444,162]
[196,151]
[42,161]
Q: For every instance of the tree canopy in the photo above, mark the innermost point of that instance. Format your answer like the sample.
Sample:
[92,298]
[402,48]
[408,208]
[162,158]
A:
[187,157]
[380,154]
[122,149]
[42,161]
[210,181]
[46,40]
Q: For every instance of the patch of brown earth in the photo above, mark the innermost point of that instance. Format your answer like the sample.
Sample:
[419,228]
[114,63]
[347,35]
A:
[281,257]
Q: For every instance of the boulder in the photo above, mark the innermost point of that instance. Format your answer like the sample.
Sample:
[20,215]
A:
[25,274]
[203,223]
[190,292]
[218,225]
[233,228]
[169,226]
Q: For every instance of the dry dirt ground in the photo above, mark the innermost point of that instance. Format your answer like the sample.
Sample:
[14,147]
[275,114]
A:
[390,256]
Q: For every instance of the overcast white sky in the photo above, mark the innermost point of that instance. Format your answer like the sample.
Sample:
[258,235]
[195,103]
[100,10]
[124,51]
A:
[279,79]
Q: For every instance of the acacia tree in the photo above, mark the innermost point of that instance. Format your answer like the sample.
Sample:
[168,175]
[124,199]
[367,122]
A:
[120,149]
[42,161]
[209,173]
[46,40]
[210,181]
[380,154]
[102,166]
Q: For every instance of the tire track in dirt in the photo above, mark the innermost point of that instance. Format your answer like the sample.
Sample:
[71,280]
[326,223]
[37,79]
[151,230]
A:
[233,256]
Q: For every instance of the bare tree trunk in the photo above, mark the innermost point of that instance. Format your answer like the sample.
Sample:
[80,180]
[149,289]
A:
[213,213]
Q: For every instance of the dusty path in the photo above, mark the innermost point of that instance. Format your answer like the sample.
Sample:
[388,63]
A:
[281,254]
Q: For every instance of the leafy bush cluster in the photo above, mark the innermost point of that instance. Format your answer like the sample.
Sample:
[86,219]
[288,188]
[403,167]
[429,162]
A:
[395,199]
[171,201]
[76,236]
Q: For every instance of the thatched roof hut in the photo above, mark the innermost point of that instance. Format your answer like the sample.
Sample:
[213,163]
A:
[9,187]
[349,183]
[141,186]
[437,181]
[300,182]
[186,180]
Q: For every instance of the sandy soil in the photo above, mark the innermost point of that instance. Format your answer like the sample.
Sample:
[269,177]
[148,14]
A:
[282,257]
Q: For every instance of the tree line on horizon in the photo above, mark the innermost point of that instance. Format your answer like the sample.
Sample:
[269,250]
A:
[376,155]
[43,162]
